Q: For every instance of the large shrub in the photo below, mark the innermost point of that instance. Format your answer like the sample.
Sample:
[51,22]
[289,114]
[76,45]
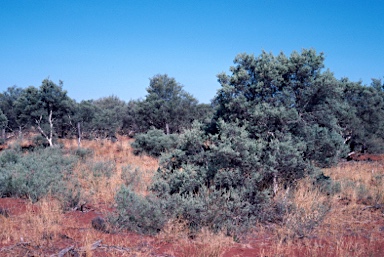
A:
[225,179]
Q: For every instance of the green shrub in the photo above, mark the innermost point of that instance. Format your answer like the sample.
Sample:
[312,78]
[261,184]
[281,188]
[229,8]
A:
[9,156]
[83,153]
[39,173]
[143,215]
[39,141]
[225,180]
[154,142]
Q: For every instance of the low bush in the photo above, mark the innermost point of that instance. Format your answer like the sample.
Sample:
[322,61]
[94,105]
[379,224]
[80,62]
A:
[39,141]
[39,173]
[83,153]
[143,215]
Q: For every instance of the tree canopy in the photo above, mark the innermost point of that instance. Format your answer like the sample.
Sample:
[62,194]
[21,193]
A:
[167,106]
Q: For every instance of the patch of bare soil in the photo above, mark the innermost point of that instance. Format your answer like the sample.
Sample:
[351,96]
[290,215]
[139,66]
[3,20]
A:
[366,157]
[75,236]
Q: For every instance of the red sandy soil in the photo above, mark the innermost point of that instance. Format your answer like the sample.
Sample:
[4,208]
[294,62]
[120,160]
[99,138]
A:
[366,157]
[76,223]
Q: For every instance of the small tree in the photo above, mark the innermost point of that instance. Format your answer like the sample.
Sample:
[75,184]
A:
[167,106]
[46,108]
[108,119]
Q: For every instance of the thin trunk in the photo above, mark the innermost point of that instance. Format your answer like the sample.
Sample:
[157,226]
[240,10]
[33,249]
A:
[3,134]
[79,132]
[167,128]
[49,138]
[275,185]
[20,133]
[51,128]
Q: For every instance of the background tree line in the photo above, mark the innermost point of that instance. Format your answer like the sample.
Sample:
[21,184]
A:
[49,111]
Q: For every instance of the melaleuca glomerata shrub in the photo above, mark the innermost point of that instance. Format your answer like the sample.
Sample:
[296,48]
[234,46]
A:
[224,180]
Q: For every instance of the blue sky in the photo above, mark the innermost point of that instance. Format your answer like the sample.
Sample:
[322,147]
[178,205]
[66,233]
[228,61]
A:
[103,48]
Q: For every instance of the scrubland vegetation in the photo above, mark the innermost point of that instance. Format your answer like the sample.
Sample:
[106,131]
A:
[261,171]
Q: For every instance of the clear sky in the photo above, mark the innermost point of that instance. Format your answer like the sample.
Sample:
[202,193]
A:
[103,48]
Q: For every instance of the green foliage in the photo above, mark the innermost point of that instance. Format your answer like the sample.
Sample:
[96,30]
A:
[154,142]
[36,174]
[108,118]
[83,153]
[39,141]
[280,96]
[143,215]
[48,108]
[9,157]
[225,179]
[7,105]
[365,128]
[3,120]
[276,118]
[168,107]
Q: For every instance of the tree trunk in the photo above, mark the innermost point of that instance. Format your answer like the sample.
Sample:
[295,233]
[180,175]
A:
[49,138]
[79,132]
[3,134]
[167,128]
[275,185]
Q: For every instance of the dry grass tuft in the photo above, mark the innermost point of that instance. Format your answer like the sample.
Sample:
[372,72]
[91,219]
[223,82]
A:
[350,226]
[40,224]
[174,231]
[205,243]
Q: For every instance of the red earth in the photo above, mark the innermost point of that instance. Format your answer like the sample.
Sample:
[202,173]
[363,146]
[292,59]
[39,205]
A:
[78,223]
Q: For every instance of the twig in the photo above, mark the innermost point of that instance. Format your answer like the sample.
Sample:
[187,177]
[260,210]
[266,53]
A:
[114,247]
[63,252]
[93,246]
[13,246]
[376,206]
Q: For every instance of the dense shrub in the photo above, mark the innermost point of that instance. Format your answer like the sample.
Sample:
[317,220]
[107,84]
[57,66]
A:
[154,142]
[39,141]
[224,180]
[83,153]
[140,214]
[39,173]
